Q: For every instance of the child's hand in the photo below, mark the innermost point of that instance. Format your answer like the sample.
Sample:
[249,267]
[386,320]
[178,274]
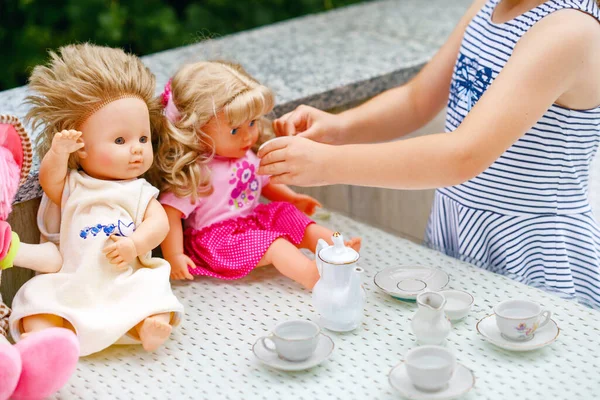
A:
[180,264]
[121,252]
[306,204]
[298,161]
[311,123]
[67,142]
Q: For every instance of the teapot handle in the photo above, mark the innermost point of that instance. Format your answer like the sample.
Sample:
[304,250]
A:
[321,244]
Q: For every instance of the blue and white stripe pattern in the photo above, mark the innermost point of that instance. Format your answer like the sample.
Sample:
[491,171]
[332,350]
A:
[527,216]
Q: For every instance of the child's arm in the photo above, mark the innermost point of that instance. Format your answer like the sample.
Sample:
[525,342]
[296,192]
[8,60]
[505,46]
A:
[148,235]
[393,113]
[278,192]
[54,166]
[172,246]
[552,60]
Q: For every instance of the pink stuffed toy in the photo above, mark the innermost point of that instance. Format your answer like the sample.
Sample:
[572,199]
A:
[41,363]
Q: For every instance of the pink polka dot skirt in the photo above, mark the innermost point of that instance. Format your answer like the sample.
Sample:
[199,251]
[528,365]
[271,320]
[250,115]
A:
[231,249]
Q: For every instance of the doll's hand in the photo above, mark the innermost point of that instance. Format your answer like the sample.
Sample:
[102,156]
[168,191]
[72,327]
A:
[121,252]
[67,142]
[306,204]
[180,264]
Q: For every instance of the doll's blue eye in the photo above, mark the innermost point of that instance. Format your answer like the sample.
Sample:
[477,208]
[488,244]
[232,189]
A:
[252,122]
[234,131]
[120,140]
[144,139]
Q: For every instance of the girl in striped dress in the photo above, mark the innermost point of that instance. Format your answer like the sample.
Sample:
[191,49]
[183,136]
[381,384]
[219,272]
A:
[523,114]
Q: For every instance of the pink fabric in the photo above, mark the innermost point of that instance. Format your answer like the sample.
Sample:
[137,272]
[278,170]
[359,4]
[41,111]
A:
[10,369]
[49,358]
[231,249]
[5,238]
[10,139]
[10,174]
[236,193]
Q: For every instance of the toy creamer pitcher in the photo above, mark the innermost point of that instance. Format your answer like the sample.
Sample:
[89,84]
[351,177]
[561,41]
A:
[338,295]
[429,323]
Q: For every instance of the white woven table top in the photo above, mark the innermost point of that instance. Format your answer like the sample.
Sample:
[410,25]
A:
[210,355]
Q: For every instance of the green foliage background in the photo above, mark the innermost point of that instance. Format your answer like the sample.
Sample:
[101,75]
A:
[28,28]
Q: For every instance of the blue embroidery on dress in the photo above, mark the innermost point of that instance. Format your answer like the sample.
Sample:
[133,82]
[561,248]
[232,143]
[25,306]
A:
[470,81]
[120,229]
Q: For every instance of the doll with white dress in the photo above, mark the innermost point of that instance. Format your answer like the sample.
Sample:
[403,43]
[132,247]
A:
[97,111]
[207,174]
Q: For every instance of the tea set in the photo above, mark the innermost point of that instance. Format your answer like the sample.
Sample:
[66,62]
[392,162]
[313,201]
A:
[428,372]
[294,346]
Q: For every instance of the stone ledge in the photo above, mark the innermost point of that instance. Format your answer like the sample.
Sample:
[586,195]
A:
[327,60]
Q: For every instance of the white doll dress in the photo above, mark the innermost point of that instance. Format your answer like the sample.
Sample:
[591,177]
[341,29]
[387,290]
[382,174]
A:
[102,303]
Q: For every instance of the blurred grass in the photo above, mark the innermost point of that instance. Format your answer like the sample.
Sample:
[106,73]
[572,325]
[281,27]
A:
[28,28]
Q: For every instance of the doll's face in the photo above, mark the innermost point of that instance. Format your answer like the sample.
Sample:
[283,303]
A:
[231,141]
[116,141]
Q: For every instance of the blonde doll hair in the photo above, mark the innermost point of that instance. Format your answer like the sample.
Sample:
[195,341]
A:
[200,91]
[78,81]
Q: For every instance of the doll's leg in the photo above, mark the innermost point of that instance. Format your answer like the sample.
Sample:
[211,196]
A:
[154,331]
[291,262]
[314,232]
[43,257]
[38,322]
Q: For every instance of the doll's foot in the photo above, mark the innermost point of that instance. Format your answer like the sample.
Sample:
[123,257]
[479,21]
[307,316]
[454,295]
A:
[354,243]
[49,359]
[10,369]
[154,332]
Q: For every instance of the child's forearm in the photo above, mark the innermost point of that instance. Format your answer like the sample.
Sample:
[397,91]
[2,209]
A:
[53,174]
[420,163]
[388,116]
[278,192]
[153,230]
[173,242]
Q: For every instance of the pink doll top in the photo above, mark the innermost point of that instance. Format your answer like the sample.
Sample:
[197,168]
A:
[236,193]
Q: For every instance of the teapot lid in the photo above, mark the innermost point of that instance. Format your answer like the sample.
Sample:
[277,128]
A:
[339,253]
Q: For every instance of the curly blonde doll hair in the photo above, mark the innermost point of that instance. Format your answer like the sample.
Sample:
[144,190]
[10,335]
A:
[78,81]
[199,92]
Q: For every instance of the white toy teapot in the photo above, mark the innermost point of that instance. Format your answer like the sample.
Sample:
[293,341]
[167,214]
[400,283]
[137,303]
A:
[338,295]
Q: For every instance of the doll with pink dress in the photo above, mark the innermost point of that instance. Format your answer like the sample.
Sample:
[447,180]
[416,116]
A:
[207,173]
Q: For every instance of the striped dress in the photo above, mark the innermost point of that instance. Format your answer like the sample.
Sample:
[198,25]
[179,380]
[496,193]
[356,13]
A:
[528,215]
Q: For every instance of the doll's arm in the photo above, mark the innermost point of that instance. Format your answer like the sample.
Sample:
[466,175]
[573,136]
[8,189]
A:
[172,246]
[173,243]
[44,257]
[148,235]
[153,229]
[54,166]
[279,192]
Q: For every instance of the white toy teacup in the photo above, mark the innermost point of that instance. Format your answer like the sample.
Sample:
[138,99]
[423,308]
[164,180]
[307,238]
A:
[519,319]
[293,340]
[430,367]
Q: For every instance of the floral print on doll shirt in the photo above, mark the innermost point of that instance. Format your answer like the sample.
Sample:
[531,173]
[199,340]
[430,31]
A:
[245,182]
